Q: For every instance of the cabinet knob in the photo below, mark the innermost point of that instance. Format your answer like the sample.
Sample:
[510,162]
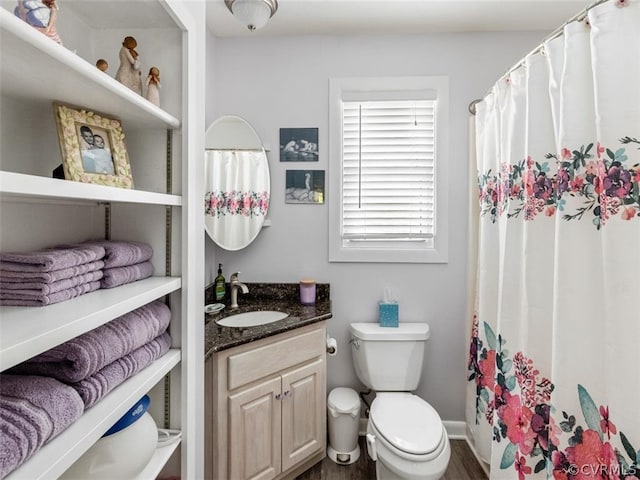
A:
[278,396]
[287,393]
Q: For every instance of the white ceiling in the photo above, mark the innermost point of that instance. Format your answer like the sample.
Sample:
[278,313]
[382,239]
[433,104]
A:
[339,17]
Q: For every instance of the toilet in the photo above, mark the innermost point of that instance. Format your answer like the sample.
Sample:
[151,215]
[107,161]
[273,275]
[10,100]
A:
[405,435]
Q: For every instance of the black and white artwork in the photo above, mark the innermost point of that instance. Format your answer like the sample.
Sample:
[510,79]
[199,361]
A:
[298,144]
[304,186]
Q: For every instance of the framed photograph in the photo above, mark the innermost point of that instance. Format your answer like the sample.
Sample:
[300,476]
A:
[298,144]
[92,147]
[304,186]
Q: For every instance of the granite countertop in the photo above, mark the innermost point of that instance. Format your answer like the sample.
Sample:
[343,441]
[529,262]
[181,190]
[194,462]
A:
[283,297]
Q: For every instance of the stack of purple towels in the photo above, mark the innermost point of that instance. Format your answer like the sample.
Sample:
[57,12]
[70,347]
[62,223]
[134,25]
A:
[42,396]
[50,276]
[124,262]
[54,275]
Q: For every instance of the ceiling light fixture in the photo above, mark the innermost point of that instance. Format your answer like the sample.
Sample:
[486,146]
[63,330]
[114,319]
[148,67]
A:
[254,14]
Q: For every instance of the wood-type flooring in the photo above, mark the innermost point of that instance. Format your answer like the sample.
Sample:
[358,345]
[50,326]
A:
[462,466]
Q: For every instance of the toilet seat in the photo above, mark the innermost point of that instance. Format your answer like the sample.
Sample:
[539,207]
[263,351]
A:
[408,424]
[406,465]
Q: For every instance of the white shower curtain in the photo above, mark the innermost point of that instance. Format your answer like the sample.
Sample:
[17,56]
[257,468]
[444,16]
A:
[554,361]
[234,212]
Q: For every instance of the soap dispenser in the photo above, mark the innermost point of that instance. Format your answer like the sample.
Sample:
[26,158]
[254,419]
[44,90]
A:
[220,285]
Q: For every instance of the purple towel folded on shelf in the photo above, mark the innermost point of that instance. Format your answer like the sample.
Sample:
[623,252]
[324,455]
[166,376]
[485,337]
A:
[52,276]
[51,259]
[9,298]
[44,288]
[84,355]
[33,410]
[121,253]
[95,387]
[117,276]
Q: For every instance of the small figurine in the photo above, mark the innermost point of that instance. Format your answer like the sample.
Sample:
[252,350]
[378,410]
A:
[129,71]
[153,86]
[102,65]
[41,15]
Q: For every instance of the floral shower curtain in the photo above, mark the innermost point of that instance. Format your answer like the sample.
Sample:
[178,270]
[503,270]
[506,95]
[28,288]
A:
[554,361]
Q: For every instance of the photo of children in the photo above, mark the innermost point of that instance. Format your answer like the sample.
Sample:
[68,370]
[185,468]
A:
[95,150]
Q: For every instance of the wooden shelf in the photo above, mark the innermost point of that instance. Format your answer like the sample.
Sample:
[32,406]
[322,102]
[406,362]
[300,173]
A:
[29,331]
[19,185]
[59,454]
[68,78]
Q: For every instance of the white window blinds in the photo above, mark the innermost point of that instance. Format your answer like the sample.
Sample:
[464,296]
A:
[388,170]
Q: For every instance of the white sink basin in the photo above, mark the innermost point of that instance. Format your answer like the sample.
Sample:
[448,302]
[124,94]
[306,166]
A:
[252,319]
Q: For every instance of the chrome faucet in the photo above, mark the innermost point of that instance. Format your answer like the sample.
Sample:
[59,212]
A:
[235,284]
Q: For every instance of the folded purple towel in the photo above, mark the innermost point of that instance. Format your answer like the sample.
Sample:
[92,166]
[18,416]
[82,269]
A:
[9,298]
[84,355]
[120,253]
[43,288]
[95,387]
[33,410]
[53,276]
[52,259]
[114,277]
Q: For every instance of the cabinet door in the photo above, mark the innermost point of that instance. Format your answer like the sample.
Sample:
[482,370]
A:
[303,413]
[254,449]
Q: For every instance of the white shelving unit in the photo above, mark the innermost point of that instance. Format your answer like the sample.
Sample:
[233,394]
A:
[37,211]
[56,456]
[18,185]
[82,80]
[29,331]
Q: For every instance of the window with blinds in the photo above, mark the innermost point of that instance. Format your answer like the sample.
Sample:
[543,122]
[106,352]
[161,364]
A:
[388,139]
[388,171]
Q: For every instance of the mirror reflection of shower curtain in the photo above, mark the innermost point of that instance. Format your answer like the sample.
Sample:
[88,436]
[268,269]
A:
[234,213]
[553,360]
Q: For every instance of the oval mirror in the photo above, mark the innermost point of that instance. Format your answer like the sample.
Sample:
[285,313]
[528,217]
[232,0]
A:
[236,182]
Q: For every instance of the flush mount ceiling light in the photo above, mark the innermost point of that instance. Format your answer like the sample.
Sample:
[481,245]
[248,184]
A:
[254,14]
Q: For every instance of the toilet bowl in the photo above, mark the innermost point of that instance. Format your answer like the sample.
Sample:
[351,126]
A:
[405,435]
[406,438]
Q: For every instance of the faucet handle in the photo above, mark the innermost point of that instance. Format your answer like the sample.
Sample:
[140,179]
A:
[234,277]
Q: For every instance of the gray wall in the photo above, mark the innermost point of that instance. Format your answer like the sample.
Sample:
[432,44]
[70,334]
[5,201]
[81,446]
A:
[276,82]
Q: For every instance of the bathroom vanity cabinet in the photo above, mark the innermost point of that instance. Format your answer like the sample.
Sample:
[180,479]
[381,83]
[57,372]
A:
[265,406]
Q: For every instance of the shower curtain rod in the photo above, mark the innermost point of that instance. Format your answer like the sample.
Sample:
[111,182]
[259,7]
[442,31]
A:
[556,33]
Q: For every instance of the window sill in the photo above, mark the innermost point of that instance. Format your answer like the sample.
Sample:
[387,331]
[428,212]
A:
[388,255]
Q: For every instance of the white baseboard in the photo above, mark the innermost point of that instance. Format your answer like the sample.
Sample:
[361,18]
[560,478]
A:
[455,430]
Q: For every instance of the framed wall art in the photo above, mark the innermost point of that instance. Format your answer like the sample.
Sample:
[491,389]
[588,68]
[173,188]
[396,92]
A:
[92,147]
[298,144]
[304,186]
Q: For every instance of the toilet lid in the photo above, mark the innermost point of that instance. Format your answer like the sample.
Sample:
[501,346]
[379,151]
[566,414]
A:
[408,423]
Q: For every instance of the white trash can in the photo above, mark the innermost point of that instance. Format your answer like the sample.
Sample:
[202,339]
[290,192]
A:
[343,413]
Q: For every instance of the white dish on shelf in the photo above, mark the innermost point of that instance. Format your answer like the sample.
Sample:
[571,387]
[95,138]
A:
[168,436]
[213,308]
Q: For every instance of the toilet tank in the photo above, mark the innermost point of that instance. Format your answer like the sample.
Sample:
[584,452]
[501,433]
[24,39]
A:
[389,358]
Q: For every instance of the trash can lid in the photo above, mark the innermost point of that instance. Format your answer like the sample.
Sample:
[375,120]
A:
[344,400]
[131,416]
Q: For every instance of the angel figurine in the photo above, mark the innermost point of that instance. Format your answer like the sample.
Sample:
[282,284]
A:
[153,86]
[129,71]
[41,15]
